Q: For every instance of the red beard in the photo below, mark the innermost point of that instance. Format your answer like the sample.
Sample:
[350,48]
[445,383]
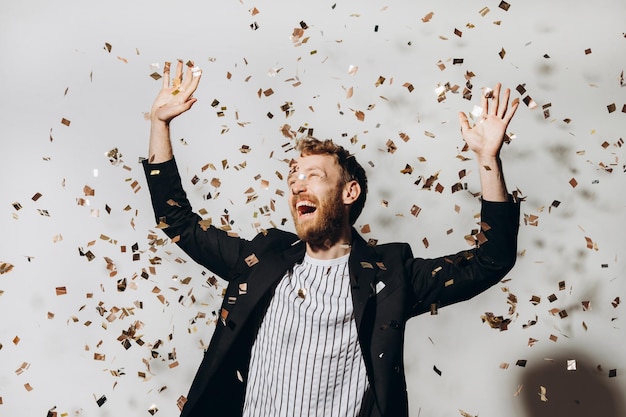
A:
[326,222]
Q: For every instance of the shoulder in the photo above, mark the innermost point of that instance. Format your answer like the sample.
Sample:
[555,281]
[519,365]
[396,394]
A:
[390,252]
[274,236]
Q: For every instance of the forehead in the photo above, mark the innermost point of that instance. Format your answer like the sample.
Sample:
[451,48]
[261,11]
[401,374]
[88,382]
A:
[327,163]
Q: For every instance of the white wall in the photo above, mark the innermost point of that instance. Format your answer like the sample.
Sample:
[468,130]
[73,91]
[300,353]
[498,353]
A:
[55,65]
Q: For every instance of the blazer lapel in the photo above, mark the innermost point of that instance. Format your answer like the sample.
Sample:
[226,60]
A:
[246,291]
[362,276]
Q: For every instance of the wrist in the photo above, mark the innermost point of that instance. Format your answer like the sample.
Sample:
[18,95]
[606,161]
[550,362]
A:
[488,160]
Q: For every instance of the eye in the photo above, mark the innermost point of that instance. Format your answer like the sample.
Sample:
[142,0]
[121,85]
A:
[315,175]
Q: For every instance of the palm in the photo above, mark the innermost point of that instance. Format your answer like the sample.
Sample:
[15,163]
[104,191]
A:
[485,138]
[176,96]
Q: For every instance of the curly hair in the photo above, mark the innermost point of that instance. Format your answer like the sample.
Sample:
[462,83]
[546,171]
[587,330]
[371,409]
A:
[350,167]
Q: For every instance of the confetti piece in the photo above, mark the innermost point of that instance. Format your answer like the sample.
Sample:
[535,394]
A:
[428,16]
[100,401]
[415,210]
[65,122]
[542,393]
[495,322]
[571,364]
[5,268]
[180,402]
[251,260]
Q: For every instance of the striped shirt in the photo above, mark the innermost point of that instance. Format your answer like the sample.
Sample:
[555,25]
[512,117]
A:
[306,359]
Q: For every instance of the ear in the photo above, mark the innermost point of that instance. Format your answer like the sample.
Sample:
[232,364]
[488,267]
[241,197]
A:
[351,192]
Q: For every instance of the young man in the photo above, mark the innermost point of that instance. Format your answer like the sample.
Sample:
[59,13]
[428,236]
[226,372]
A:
[313,324]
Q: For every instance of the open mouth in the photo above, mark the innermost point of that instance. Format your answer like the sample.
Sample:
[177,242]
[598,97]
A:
[305,208]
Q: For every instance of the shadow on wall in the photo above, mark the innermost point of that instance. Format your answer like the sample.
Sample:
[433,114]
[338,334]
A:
[586,391]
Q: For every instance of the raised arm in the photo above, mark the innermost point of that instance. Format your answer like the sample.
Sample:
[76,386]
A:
[485,139]
[175,98]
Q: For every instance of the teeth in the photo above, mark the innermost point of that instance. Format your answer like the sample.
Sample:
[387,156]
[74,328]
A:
[301,207]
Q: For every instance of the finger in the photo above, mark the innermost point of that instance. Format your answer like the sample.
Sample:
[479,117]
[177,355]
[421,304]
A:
[495,99]
[187,104]
[464,122]
[166,74]
[502,110]
[190,83]
[179,74]
[484,103]
[188,76]
[196,74]
[509,114]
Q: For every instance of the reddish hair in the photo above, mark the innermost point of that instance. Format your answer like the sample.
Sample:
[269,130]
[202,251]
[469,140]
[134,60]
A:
[351,170]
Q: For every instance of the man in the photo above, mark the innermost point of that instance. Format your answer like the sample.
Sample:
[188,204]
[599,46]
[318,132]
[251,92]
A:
[313,324]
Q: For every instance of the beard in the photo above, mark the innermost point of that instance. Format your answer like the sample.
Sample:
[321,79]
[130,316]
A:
[325,228]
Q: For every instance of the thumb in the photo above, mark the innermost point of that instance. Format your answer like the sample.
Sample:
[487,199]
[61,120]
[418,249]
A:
[183,107]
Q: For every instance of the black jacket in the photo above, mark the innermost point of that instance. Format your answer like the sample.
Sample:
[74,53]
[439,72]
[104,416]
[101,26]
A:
[389,286]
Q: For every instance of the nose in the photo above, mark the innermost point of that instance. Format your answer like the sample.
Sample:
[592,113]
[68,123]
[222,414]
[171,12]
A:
[299,185]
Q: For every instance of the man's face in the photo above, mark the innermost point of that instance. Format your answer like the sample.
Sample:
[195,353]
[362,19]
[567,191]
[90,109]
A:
[315,198]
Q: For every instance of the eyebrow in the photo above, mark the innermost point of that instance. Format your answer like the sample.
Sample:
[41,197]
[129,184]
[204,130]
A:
[295,168]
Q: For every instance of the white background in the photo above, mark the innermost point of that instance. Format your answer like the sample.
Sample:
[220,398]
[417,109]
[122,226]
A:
[62,353]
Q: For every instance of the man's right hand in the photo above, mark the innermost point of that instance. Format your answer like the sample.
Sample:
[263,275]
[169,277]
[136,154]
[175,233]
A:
[175,98]
[176,95]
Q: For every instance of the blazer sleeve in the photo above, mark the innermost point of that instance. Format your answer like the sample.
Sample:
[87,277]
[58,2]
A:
[210,247]
[447,280]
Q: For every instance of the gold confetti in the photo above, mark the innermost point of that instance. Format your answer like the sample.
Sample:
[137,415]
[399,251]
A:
[251,260]
[504,6]
[415,210]
[542,393]
[5,268]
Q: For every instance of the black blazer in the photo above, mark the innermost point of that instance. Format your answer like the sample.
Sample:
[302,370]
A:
[389,286]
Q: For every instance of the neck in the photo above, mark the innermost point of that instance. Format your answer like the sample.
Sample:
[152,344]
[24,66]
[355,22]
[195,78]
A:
[332,250]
